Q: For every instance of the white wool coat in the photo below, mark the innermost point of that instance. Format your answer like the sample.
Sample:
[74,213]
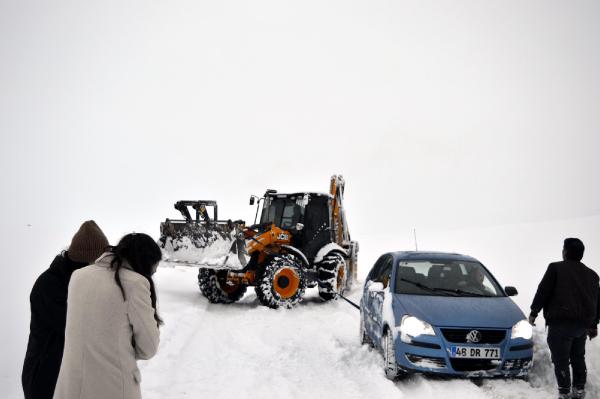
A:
[105,334]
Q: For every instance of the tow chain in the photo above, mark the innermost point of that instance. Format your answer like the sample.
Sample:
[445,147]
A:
[349,301]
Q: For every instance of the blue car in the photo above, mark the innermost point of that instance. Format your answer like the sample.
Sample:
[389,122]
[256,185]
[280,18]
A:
[443,313]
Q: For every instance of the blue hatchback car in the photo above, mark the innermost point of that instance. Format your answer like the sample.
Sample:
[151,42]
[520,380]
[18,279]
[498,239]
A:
[443,313]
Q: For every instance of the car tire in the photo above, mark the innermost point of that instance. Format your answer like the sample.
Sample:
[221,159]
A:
[524,378]
[364,337]
[390,366]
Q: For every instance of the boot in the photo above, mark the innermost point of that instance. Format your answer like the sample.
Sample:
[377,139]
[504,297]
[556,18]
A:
[578,393]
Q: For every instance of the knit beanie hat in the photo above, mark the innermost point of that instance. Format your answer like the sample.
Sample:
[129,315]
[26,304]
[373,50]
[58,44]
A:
[88,243]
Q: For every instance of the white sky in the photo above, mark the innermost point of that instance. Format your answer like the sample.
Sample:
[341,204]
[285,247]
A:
[440,114]
[447,116]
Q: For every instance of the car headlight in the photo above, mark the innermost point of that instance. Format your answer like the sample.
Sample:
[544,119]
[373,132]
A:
[522,330]
[411,327]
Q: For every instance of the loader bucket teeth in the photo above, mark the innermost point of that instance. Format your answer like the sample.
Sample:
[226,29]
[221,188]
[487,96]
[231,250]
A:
[211,243]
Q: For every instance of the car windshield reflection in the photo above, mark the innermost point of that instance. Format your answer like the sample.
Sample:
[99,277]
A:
[451,278]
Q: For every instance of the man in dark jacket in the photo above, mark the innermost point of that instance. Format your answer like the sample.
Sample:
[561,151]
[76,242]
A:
[49,311]
[569,293]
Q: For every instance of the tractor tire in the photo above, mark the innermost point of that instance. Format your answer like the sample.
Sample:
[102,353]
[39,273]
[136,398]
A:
[280,282]
[332,276]
[214,287]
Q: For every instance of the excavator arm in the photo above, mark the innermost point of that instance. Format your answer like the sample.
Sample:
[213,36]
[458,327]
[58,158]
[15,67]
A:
[339,224]
[340,227]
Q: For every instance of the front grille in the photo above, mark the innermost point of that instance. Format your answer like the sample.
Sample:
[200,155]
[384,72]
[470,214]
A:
[474,364]
[517,364]
[426,361]
[459,335]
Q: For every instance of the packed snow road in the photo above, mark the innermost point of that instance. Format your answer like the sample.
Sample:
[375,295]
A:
[246,350]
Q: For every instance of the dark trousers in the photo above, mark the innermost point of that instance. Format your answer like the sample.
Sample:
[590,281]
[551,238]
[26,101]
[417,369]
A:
[567,346]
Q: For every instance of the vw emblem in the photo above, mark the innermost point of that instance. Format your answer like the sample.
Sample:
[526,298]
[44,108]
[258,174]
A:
[474,336]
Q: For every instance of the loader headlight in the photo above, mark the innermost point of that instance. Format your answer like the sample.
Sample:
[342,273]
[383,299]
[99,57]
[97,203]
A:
[522,330]
[410,327]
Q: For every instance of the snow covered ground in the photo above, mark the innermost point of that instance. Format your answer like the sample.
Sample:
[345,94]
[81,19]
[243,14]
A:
[248,351]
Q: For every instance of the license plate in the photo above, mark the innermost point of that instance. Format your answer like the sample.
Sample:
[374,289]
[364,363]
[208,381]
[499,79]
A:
[470,352]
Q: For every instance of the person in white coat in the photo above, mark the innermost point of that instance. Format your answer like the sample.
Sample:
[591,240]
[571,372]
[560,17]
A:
[111,322]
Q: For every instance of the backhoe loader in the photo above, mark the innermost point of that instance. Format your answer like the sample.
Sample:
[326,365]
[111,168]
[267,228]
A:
[301,240]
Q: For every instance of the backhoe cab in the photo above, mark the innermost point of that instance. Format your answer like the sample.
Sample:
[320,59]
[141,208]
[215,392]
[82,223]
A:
[300,241]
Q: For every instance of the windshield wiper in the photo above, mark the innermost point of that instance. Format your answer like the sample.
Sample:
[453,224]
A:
[460,292]
[456,291]
[469,293]
[426,287]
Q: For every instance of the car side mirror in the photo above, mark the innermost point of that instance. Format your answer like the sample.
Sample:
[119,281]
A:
[511,291]
[375,287]
[252,200]
[299,226]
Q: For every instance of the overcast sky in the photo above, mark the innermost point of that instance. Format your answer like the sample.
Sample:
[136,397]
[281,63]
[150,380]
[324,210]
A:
[446,114]
[458,118]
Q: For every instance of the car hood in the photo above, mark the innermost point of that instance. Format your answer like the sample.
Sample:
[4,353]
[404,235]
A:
[448,311]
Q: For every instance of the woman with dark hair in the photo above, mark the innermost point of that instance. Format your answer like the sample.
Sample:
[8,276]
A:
[111,322]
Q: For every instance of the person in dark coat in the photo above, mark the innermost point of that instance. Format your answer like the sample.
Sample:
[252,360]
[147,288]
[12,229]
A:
[49,311]
[569,294]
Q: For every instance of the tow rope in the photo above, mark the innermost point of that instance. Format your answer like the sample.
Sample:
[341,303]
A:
[349,301]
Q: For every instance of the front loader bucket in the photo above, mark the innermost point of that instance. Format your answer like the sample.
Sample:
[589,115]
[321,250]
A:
[217,245]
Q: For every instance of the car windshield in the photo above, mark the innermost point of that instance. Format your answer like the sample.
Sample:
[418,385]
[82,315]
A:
[451,277]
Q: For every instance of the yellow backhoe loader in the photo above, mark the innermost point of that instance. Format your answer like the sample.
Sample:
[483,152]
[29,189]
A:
[301,240]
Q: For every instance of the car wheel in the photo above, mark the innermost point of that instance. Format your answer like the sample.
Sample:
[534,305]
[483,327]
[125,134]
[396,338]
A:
[524,378]
[390,366]
[364,337]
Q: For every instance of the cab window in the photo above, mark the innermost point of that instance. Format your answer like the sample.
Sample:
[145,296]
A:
[283,212]
[292,213]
